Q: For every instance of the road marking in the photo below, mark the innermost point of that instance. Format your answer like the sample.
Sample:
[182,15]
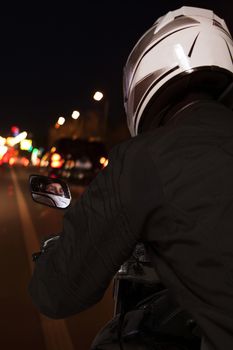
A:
[55,332]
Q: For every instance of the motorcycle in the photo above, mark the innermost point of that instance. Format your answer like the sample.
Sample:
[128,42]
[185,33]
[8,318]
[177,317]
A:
[145,314]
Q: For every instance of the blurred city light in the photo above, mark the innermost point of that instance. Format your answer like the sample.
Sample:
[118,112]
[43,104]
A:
[20,137]
[25,161]
[105,163]
[26,145]
[2,141]
[3,150]
[75,114]
[10,141]
[102,160]
[12,161]
[56,160]
[15,130]
[61,121]
[98,96]
[34,157]
[53,149]
[55,157]
[40,152]
[44,160]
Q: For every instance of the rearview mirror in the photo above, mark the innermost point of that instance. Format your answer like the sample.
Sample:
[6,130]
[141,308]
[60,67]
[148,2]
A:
[49,191]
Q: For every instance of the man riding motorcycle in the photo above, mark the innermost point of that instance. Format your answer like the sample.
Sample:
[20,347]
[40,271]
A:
[170,186]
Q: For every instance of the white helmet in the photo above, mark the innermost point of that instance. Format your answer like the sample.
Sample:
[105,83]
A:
[190,48]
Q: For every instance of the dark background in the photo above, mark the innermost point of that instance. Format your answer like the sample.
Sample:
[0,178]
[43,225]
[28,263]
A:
[52,59]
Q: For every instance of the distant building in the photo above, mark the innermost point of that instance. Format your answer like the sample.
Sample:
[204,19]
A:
[87,126]
[90,126]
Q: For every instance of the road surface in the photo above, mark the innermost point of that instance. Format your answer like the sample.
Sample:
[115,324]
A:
[22,225]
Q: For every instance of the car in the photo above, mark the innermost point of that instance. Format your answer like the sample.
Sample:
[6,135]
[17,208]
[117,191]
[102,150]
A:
[77,161]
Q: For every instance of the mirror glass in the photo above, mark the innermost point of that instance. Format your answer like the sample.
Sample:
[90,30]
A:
[49,191]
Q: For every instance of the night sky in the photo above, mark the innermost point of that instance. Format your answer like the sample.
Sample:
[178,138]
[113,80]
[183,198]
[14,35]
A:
[53,58]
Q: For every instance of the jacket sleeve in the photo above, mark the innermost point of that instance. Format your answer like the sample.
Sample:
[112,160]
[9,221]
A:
[96,239]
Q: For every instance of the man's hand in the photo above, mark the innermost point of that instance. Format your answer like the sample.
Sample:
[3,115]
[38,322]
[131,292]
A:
[46,244]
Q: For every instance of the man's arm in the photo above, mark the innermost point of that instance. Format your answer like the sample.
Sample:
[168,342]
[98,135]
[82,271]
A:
[94,242]
[99,234]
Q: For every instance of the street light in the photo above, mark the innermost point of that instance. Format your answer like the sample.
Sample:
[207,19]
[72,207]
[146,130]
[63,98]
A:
[61,121]
[98,95]
[75,114]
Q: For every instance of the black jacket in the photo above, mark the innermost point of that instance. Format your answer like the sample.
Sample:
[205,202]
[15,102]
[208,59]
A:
[171,188]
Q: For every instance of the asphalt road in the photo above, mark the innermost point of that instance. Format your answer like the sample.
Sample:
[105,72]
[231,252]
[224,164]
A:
[22,225]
